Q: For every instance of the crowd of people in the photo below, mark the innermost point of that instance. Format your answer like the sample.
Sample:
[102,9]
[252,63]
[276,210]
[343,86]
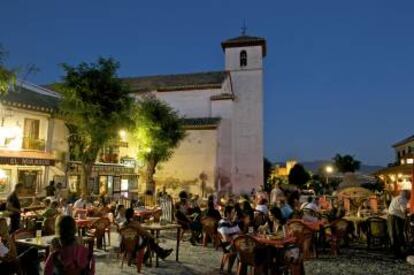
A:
[260,212]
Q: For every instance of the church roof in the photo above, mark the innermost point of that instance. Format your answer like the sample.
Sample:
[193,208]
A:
[201,122]
[245,40]
[22,96]
[163,83]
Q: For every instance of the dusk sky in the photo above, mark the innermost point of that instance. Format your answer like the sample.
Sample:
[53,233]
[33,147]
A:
[339,75]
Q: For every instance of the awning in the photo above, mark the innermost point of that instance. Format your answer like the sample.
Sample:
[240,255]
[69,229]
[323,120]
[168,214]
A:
[27,158]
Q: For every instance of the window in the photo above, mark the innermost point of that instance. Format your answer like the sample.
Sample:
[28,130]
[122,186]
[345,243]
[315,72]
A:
[31,139]
[243,58]
[31,128]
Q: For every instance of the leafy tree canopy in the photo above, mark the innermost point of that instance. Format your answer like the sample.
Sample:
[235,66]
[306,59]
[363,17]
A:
[298,176]
[346,163]
[95,105]
[158,132]
[7,76]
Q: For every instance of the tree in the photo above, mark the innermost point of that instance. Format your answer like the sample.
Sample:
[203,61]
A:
[267,171]
[158,131]
[346,163]
[95,106]
[298,176]
[7,76]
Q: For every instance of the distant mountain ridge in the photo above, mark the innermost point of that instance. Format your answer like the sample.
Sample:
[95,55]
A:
[314,166]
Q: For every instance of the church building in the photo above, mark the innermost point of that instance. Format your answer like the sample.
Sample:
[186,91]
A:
[223,110]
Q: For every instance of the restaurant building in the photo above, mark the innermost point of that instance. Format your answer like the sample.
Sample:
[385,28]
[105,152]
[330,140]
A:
[32,140]
[398,175]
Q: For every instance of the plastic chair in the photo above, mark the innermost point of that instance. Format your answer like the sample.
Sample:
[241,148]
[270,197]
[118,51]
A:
[129,243]
[339,230]
[98,230]
[210,231]
[248,252]
[377,232]
[304,237]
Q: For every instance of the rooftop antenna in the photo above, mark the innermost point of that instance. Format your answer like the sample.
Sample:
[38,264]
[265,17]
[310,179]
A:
[244,27]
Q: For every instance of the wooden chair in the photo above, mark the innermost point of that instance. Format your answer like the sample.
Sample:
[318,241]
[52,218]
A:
[49,226]
[247,249]
[98,230]
[129,243]
[377,232]
[157,215]
[291,261]
[339,233]
[304,237]
[210,231]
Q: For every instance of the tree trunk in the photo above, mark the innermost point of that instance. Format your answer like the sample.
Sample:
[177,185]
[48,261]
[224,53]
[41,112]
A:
[150,184]
[86,172]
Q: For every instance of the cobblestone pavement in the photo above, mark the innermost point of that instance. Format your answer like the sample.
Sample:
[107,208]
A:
[206,260]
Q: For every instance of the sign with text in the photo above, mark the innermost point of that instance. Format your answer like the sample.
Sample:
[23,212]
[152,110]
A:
[26,161]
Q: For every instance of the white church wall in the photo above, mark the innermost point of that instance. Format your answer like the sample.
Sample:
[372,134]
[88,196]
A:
[196,154]
[223,109]
[190,103]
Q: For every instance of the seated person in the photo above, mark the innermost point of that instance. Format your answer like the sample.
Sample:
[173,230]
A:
[262,207]
[46,202]
[52,210]
[277,222]
[147,238]
[228,232]
[120,214]
[65,207]
[7,249]
[68,257]
[310,210]
[227,229]
[182,217]
[103,210]
[82,202]
[285,209]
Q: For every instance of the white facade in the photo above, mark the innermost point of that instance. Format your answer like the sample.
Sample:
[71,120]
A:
[42,157]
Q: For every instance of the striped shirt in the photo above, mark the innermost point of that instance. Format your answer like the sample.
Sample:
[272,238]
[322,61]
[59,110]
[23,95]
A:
[226,228]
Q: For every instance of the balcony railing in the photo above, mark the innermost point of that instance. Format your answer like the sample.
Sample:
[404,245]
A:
[33,144]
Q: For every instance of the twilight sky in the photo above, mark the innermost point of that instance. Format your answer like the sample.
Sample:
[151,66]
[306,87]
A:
[339,75]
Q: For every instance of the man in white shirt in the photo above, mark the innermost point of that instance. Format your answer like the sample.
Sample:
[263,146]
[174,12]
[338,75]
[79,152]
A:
[310,210]
[396,218]
[81,202]
[276,195]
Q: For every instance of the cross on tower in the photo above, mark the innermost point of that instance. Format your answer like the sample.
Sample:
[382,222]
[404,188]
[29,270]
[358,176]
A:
[243,28]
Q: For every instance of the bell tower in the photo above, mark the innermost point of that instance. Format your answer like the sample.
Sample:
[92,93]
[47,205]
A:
[244,62]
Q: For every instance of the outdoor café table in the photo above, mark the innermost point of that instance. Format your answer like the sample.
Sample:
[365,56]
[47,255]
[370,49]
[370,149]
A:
[144,213]
[42,243]
[155,229]
[82,223]
[276,242]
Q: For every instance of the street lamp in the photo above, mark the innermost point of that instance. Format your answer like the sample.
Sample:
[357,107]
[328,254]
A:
[329,170]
